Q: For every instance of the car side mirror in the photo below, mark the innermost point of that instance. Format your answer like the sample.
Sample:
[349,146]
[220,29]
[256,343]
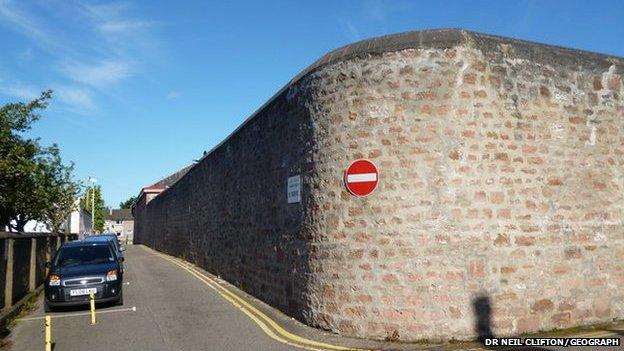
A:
[121,259]
[122,249]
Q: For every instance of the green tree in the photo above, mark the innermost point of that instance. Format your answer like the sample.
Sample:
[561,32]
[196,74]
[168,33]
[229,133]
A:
[128,203]
[92,199]
[62,190]
[32,177]
[18,167]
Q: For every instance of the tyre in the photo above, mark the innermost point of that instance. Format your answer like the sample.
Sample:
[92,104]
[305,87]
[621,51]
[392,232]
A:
[120,300]
[46,308]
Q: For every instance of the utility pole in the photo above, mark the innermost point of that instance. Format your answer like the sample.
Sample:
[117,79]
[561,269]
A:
[93,209]
[92,180]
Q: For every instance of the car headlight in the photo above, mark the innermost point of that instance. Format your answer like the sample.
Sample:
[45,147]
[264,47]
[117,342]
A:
[54,280]
[111,275]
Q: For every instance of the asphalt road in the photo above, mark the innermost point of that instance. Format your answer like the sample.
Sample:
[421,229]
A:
[170,305]
[174,311]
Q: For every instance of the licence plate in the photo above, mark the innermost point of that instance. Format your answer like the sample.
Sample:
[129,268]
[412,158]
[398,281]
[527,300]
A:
[80,292]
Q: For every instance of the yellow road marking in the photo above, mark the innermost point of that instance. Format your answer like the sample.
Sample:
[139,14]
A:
[252,312]
[263,326]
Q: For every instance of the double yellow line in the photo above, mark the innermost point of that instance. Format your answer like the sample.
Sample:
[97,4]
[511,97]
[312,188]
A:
[268,325]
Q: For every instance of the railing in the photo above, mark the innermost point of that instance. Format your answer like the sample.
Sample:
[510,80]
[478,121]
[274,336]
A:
[22,263]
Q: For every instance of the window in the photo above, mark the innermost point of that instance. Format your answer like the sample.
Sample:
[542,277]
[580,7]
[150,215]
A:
[71,256]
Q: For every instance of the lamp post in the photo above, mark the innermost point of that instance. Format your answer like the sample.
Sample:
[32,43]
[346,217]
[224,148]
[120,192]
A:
[92,180]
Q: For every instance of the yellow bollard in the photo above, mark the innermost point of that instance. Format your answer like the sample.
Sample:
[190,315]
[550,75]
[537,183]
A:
[92,301]
[48,333]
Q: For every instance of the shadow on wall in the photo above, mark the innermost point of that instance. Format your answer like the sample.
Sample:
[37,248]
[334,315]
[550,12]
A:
[483,312]
[482,309]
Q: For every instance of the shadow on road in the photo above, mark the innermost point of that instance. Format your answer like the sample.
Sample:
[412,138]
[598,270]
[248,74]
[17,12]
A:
[84,308]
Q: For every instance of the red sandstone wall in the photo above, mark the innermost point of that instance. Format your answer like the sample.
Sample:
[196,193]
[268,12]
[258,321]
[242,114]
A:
[501,188]
[500,180]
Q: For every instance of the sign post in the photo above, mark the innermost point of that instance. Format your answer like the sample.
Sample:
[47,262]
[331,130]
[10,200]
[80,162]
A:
[92,303]
[293,189]
[48,333]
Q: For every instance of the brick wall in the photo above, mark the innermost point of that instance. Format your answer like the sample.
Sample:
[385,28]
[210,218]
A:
[499,201]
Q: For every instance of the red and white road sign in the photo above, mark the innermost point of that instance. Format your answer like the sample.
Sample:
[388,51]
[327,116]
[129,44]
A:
[361,177]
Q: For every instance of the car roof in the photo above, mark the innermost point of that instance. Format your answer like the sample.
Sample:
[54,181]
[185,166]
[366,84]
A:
[99,238]
[83,243]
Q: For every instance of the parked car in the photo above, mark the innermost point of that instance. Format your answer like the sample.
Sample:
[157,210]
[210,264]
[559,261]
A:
[112,235]
[108,238]
[81,268]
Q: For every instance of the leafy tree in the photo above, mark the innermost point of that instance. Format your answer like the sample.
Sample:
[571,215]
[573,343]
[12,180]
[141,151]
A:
[128,203]
[62,190]
[18,167]
[92,199]
[33,180]
[34,183]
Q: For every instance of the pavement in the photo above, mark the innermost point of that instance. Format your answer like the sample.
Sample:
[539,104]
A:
[173,305]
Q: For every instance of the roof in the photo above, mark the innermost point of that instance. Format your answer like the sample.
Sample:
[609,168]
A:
[162,184]
[170,179]
[123,214]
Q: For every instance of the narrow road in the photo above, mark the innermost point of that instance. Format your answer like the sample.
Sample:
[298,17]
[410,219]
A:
[170,305]
[174,311]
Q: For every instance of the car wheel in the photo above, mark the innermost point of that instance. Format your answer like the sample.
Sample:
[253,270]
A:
[46,308]
[120,300]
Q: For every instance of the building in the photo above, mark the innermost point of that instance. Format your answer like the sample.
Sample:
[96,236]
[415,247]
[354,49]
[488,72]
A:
[78,222]
[148,193]
[31,226]
[120,221]
[36,227]
[498,207]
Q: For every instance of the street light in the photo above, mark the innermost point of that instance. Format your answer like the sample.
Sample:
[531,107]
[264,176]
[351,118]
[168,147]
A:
[92,180]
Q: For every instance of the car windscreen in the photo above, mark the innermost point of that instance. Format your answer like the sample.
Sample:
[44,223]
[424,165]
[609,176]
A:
[113,242]
[77,255]
[106,237]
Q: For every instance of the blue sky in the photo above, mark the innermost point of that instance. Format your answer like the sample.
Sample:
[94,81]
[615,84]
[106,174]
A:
[143,87]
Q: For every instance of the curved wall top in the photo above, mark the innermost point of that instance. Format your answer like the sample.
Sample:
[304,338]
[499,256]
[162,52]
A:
[448,38]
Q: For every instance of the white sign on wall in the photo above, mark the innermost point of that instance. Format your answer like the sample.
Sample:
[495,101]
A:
[293,190]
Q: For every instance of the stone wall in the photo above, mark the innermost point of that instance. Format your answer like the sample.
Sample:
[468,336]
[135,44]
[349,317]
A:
[499,205]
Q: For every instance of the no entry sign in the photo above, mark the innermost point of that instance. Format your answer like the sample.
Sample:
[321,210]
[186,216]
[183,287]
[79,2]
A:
[361,177]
